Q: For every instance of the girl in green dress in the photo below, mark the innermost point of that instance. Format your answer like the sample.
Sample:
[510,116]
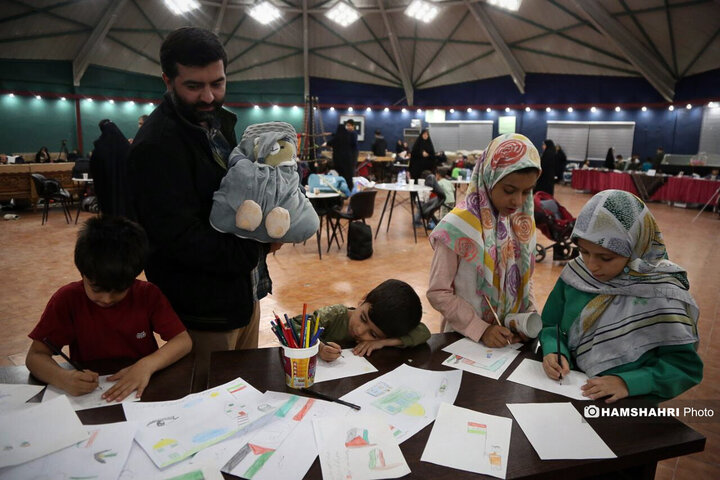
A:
[625,315]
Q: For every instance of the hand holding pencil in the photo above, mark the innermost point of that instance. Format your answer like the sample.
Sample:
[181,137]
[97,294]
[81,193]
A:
[496,336]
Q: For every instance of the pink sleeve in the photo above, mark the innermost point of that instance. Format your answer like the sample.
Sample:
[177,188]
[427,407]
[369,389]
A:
[457,312]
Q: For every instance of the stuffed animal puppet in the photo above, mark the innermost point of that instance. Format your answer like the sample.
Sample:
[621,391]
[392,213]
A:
[260,197]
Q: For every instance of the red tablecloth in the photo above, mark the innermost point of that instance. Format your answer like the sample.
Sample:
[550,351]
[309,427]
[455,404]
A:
[676,189]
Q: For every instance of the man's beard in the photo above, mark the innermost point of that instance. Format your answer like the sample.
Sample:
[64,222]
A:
[191,112]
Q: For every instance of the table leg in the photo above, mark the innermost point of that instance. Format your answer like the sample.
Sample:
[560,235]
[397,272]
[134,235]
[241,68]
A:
[392,206]
[422,219]
[318,234]
[413,195]
[382,214]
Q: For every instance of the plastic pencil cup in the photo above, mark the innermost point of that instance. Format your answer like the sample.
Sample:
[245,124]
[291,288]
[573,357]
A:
[299,365]
[529,324]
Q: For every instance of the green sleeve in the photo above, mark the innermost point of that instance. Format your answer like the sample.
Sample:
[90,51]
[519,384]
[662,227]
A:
[664,372]
[334,320]
[552,315]
[417,336]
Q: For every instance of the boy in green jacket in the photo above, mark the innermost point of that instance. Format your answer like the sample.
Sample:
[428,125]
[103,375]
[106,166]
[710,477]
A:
[388,316]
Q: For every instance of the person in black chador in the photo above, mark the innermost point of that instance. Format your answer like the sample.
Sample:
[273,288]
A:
[109,170]
[422,156]
[546,181]
[345,151]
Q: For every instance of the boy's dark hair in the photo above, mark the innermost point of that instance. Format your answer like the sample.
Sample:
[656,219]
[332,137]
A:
[394,307]
[111,252]
[350,121]
[191,47]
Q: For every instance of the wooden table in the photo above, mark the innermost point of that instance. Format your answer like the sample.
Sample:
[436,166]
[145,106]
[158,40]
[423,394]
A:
[170,383]
[392,190]
[638,444]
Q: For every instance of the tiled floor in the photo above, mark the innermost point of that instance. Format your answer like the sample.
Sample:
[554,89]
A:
[36,260]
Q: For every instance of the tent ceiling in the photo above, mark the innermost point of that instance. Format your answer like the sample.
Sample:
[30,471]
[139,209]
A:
[681,37]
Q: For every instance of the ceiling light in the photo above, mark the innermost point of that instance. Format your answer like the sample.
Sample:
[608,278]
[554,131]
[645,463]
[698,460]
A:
[688,106]
[404,110]
[343,14]
[593,109]
[89,100]
[350,109]
[507,109]
[264,12]
[548,109]
[38,97]
[295,107]
[275,107]
[710,104]
[617,109]
[111,101]
[332,109]
[368,109]
[12,95]
[452,110]
[469,110]
[386,109]
[61,98]
[419,110]
[644,109]
[421,10]
[513,5]
[256,107]
[314,108]
[671,108]
[570,109]
[180,7]
[488,110]
[527,109]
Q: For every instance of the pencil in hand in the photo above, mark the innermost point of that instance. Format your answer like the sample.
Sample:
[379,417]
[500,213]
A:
[494,315]
[558,352]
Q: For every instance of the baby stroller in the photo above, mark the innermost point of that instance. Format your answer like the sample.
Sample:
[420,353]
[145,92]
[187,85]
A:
[557,224]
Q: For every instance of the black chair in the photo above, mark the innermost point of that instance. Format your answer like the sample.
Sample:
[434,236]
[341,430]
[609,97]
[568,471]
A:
[49,189]
[361,206]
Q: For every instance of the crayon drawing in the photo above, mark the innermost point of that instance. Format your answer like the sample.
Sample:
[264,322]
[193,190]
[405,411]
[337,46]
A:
[470,441]
[277,446]
[406,407]
[358,446]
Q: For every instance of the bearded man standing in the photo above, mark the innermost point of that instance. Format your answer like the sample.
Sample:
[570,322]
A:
[178,158]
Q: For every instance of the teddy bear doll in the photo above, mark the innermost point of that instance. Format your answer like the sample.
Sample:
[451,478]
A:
[260,197]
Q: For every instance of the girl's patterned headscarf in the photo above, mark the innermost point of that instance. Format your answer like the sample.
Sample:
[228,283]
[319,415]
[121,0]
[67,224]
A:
[646,306]
[501,248]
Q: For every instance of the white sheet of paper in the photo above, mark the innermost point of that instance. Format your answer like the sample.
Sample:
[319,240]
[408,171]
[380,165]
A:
[37,431]
[348,365]
[172,431]
[494,371]
[101,456]
[139,466]
[531,373]
[541,422]
[13,396]
[193,471]
[408,398]
[470,441]
[478,352]
[89,400]
[282,445]
[358,447]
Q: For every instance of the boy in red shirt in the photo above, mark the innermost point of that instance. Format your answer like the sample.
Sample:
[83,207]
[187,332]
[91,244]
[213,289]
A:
[108,314]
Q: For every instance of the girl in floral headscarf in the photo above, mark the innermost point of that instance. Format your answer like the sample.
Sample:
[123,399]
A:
[624,311]
[484,248]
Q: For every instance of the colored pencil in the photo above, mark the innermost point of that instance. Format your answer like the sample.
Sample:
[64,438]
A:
[322,396]
[494,314]
[558,351]
[57,351]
